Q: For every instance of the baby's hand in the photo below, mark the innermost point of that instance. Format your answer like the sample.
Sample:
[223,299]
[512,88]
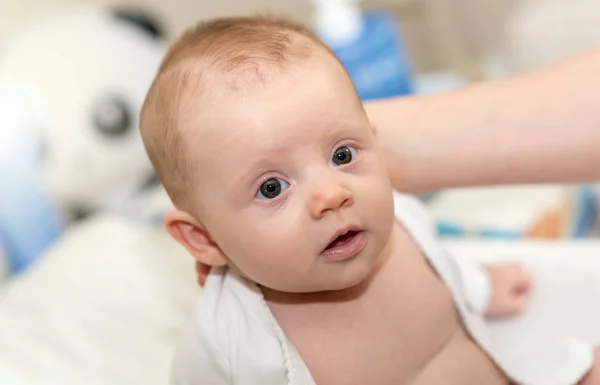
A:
[511,284]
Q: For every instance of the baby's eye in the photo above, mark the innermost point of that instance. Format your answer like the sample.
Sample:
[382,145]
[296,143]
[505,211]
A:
[344,155]
[271,188]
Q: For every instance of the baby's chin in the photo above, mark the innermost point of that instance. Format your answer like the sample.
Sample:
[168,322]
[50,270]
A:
[307,289]
[335,283]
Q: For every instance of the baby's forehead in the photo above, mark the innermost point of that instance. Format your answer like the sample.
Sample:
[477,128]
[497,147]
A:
[217,102]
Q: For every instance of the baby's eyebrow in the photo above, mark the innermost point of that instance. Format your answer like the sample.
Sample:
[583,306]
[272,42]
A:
[342,129]
[252,169]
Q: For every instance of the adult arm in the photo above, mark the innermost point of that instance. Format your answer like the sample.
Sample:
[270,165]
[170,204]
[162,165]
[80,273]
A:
[539,127]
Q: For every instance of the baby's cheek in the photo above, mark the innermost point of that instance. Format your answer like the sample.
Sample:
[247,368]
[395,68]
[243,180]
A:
[373,172]
[268,243]
[375,199]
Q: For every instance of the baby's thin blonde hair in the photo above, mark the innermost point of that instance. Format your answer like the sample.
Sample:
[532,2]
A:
[243,47]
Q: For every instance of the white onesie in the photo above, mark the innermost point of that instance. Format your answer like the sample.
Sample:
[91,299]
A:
[235,338]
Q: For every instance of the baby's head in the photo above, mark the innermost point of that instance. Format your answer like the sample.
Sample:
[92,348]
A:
[259,137]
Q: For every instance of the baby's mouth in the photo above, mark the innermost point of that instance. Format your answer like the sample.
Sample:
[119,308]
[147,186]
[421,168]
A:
[342,240]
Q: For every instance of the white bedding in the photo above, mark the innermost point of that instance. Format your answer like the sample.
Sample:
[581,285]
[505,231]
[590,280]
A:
[565,301]
[103,308]
[107,305]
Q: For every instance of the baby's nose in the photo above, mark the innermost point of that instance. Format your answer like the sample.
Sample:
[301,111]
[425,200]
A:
[329,197]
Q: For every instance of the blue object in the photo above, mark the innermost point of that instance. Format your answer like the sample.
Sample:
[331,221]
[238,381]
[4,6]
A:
[370,46]
[29,222]
[378,63]
[446,229]
[453,230]
[586,212]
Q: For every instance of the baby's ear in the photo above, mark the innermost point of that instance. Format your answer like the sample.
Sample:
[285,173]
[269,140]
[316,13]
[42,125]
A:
[191,235]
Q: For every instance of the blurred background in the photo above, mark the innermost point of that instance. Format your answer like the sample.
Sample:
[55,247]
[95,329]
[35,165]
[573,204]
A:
[462,35]
[88,275]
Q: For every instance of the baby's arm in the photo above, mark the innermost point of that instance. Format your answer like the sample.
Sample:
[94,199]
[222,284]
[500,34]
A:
[510,288]
[496,289]
[493,289]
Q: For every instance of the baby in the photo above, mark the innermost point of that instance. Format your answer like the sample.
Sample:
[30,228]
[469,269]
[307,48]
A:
[322,273]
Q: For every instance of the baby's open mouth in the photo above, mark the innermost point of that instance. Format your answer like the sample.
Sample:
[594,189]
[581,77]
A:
[342,240]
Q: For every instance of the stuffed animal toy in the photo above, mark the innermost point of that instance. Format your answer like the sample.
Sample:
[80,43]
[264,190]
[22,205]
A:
[75,81]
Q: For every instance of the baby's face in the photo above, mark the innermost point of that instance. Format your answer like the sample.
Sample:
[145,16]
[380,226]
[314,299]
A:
[284,170]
